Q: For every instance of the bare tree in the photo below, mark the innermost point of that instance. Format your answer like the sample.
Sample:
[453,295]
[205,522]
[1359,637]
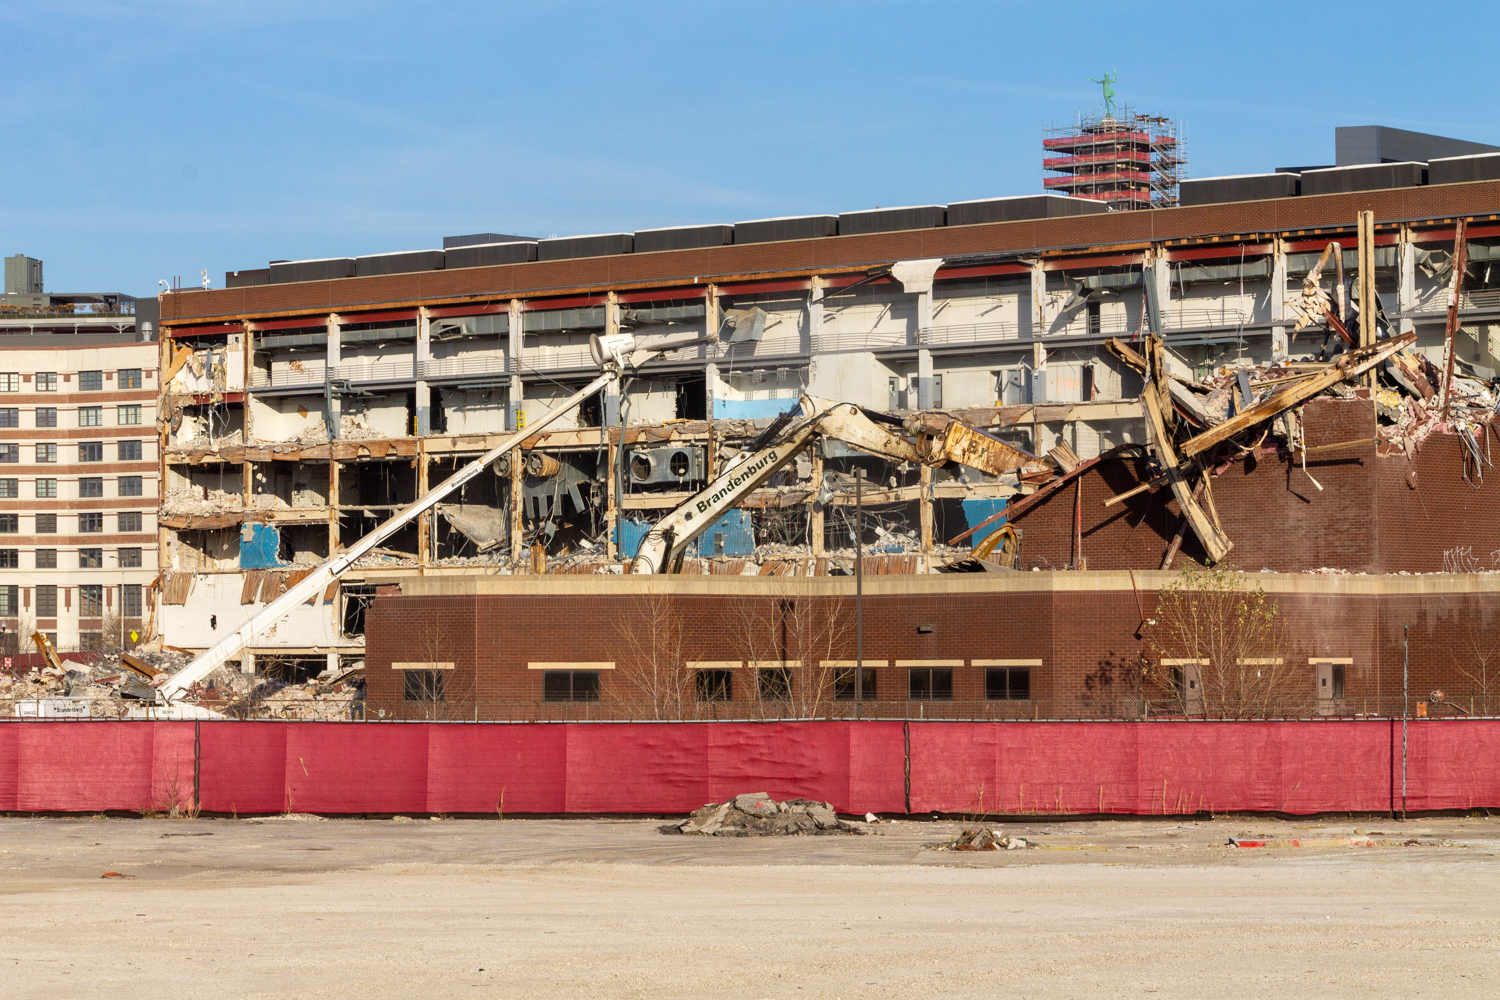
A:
[434,692]
[651,674]
[1476,656]
[1224,645]
[798,635]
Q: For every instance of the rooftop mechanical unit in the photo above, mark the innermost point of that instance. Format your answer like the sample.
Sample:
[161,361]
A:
[667,465]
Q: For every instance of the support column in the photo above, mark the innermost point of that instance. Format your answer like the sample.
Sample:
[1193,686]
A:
[333,506]
[1406,290]
[924,379]
[335,414]
[1038,312]
[1162,276]
[424,519]
[424,394]
[517,504]
[924,315]
[247,663]
[710,391]
[1280,346]
[333,663]
[611,511]
[926,517]
[514,415]
[610,410]
[817,513]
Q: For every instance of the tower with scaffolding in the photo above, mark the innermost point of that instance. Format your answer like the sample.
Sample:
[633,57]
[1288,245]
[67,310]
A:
[1124,159]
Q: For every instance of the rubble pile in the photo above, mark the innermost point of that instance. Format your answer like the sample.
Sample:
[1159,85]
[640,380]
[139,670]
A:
[985,839]
[756,814]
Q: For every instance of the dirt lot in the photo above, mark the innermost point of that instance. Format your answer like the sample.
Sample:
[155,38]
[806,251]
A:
[292,907]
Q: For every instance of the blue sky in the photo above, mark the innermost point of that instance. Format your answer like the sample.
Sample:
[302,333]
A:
[146,140]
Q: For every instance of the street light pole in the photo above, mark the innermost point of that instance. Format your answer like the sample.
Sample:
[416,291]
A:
[859,589]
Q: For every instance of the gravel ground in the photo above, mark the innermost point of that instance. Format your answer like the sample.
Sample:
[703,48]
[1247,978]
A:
[294,907]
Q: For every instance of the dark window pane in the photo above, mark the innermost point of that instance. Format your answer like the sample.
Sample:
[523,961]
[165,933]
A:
[130,451]
[715,685]
[130,600]
[91,451]
[919,684]
[130,486]
[46,559]
[130,521]
[90,381]
[774,684]
[585,685]
[130,378]
[557,685]
[9,523]
[91,487]
[422,685]
[10,452]
[46,524]
[90,522]
[1020,683]
[46,600]
[90,601]
[90,558]
[942,684]
[10,417]
[129,558]
[843,685]
[10,558]
[46,416]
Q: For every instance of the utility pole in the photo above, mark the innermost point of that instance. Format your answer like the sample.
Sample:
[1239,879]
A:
[859,589]
[1405,677]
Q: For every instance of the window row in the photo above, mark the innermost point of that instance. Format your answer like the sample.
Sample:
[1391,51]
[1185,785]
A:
[126,521]
[125,558]
[127,415]
[89,487]
[88,451]
[94,600]
[91,381]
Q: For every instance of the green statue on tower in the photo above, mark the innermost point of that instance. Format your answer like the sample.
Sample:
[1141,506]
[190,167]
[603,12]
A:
[1109,91]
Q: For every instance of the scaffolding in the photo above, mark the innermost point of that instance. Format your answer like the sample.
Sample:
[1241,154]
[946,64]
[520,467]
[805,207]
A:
[1124,159]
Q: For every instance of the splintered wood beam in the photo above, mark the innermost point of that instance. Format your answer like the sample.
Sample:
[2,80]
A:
[1148,484]
[1346,367]
[1215,543]
[1125,353]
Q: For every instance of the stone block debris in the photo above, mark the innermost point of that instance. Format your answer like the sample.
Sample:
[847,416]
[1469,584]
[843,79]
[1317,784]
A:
[985,839]
[756,814]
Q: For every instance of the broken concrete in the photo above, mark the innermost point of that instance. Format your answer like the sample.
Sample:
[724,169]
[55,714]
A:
[756,814]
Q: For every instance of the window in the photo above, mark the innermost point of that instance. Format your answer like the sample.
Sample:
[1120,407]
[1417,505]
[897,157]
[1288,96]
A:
[46,381]
[130,415]
[714,685]
[844,688]
[931,684]
[91,642]
[46,601]
[90,381]
[46,453]
[130,486]
[46,489]
[91,487]
[1007,683]
[129,521]
[91,416]
[90,522]
[9,524]
[10,601]
[91,451]
[10,381]
[10,558]
[1330,675]
[10,489]
[130,378]
[422,685]
[91,601]
[46,559]
[129,558]
[46,524]
[90,558]
[130,599]
[774,683]
[130,451]
[570,685]
[46,416]
[10,453]
[10,417]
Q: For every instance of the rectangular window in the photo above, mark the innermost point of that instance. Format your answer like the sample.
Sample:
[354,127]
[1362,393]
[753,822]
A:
[422,685]
[90,558]
[10,416]
[774,683]
[10,381]
[129,521]
[90,487]
[931,684]
[91,451]
[130,600]
[9,524]
[91,416]
[46,453]
[46,489]
[570,685]
[10,489]
[46,381]
[90,381]
[10,601]
[46,416]
[130,451]
[91,601]
[46,559]
[130,415]
[90,522]
[1007,683]
[714,685]
[46,524]
[10,558]
[10,452]
[130,378]
[130,486]
[91,642]
[845,689]
[129,558]
[46,601]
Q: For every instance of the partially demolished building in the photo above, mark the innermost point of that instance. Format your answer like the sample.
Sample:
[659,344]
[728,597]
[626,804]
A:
[309,400]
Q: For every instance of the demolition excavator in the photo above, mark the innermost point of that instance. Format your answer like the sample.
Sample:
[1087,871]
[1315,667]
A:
[666,544]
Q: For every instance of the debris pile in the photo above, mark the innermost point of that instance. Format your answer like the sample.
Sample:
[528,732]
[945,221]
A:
[985,839]
[756,814]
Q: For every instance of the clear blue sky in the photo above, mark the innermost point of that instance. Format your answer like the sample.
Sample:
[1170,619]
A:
[146,140]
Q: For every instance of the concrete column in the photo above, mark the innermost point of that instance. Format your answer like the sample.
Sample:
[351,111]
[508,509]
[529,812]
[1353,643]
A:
[1162,275]
[1280,347]
[925,513]
[815,315]
[517,504]
[333,663]
[424,519]
[424,352]
[924,316]
[924,379]
[1406,291]
[710,388]
[1038,311]
[611,512]
[513,365]
[247,663]
[335,404]
[816,512]
[333,506]
[611,408]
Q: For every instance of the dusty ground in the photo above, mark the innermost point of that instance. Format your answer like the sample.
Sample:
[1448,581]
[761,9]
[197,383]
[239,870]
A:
[611,908]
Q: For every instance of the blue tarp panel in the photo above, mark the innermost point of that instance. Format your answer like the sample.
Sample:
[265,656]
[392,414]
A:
[261,549]
[976,511]
[735,527]
[751,409]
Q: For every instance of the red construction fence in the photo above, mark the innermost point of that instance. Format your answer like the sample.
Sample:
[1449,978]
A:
[883,767]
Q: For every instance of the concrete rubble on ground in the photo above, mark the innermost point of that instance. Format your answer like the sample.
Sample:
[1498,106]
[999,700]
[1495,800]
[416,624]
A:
[756,814]
[985,839]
